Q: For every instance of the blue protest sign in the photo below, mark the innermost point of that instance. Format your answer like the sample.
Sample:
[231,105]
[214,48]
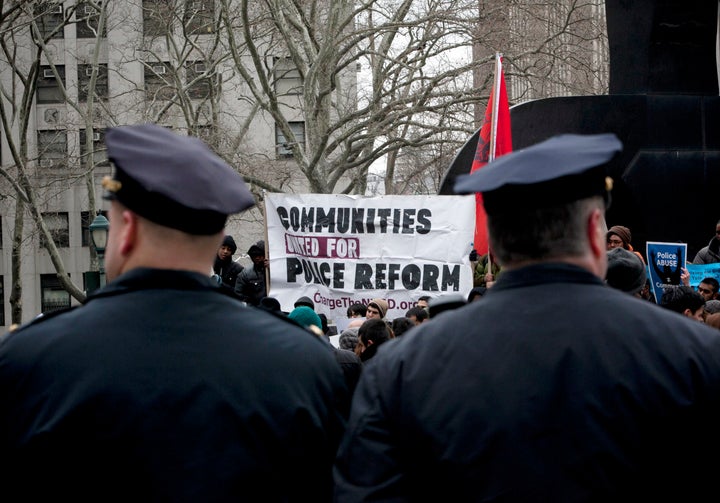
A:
[665,264]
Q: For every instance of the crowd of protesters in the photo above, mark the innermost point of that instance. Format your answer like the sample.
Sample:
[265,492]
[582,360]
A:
[556,378]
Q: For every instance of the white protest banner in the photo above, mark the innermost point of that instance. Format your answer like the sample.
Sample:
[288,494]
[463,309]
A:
[340,249]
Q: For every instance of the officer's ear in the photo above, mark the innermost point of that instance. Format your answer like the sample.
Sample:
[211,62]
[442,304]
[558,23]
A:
[597,233]
[128,235]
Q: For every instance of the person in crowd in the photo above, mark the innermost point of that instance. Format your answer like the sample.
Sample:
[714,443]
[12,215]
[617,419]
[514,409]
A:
[327,329]
[251,282]
[225,267]
[487,269]
[163,386]
[708,288]
[376,308]
[646,292]
[446,302]
[423,301]
[372,334]
[625,271]
[357,310]
[619,236]
[305,301]
[402,324]
[713,320]
[272,304]
[417,315]
[476,293]
[710,254]
[348,338]
[712,306]
[582,394]
[685,300]
[350,363]
[307,318]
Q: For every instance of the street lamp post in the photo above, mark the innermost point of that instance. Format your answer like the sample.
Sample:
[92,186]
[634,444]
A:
[99,234]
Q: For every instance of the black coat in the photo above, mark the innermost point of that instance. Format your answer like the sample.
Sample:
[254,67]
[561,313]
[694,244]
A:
[161,388]
[228,270]
[553,388]
[250,284]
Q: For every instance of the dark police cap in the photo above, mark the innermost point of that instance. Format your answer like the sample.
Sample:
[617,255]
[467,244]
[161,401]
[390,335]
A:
[173,180]
[559,170]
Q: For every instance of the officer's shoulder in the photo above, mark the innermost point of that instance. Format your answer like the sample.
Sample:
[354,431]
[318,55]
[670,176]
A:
[40,318]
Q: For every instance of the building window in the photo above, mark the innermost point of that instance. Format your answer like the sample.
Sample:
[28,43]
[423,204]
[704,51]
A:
[198,84]
[157,17]
[50,19]
[57,224]
[157,82]
[284,147]
[101,83]
[87,18]
[287,77]
[86,218]
[48,89]
[99,152]
[199,17]
[52,148]
[54,296]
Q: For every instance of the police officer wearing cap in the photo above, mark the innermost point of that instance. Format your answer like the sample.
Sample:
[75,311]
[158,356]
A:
[162,387]
[583,394]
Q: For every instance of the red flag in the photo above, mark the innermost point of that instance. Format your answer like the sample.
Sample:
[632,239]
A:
[495,139]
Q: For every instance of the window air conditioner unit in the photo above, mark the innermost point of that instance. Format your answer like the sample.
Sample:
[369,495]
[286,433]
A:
[46,163]
[199,67]
[88,71]
[96,136]
[56,9]
[158,69]
[48,74]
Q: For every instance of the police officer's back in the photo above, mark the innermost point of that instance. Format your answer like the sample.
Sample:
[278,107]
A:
[162,387]
[583,394]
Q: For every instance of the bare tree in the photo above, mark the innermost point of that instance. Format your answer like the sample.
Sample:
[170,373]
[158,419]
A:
[416,86]
[412,81]
[341,87]
[27,51]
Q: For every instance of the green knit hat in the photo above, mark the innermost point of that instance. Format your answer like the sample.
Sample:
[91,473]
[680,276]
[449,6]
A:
[304,316]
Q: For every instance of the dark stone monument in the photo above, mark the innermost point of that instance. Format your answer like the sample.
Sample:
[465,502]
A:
[664,107]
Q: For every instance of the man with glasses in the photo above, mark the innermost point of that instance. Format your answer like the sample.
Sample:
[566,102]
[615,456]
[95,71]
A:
[711,253]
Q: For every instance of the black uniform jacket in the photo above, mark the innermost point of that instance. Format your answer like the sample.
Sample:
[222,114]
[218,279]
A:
[553,388]
[161,388]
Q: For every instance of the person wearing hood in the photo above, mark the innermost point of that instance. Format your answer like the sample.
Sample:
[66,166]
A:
[251,283]
[225,267]
[710,254]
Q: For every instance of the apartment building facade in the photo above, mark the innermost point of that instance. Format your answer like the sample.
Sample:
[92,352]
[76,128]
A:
[105,64]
